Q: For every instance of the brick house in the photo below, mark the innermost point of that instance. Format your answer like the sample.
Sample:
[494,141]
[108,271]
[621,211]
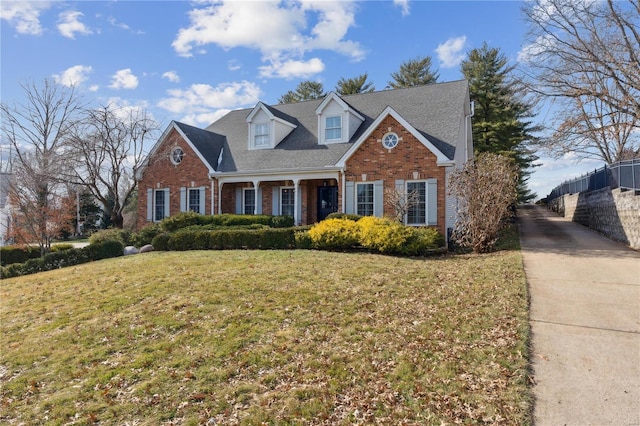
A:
[308,159]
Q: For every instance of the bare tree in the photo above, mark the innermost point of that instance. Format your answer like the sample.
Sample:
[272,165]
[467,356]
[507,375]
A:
[585,56]
[108,149]
[486,188]
[400,201]
[36,131]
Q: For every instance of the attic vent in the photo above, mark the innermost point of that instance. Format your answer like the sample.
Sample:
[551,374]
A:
[177,154]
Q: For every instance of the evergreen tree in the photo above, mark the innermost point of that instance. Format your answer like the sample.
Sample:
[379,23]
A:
[305,91]
[414,72]
[352,86]
[501,122]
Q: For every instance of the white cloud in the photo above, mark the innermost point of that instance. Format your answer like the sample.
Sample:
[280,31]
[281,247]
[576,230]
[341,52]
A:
[233,65]
[69,24]
[73,76]
[201,102]
[124,79]
[279,30]
[94,88]
[204,119]
[24,15]
[172,76]
[403,5]
[450,53]
[111,20]
[292,69]
[530,51]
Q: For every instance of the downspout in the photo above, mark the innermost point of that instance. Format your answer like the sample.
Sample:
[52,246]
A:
[343,190]
[212,194]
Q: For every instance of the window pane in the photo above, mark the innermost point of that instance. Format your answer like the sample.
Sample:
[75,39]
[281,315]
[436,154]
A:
[261,135]
[159,205]
[364,199]
[333,128]
[286,201]
[194,200]
[417,213]
[249,201]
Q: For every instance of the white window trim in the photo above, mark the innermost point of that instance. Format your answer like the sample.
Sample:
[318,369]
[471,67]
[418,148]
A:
[341,127]
[254,135]
[398,140]
[166,206]
[426,202]
[197,191]
[281,198]
[373,192]
[255,200]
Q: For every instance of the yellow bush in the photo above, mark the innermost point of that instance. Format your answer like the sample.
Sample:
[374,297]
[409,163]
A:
[334,234]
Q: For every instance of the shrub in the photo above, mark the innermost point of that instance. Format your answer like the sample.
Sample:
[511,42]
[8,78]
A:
[61,247]
[302,239]
[146,235]
[62,258]
[181,220]
[161,241]
[423,241]
[334,234]
[14,254]
[383,235]
[350,216]
[281,222]
[113,234]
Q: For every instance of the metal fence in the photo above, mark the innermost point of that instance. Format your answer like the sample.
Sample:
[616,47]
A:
[623,174]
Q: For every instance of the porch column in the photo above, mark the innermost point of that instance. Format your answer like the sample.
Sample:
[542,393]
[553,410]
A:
[220,196]
[297,205]
[257,209]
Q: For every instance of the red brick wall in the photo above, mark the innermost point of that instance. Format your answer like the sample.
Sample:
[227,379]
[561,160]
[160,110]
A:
[409,156]
[162,173]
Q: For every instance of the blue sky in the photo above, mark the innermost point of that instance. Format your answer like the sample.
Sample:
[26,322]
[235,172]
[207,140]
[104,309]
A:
[194,61]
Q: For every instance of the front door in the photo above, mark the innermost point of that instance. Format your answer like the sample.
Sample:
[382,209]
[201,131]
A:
[327,201]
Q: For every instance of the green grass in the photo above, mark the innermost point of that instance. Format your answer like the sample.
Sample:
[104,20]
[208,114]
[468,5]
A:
[267,337]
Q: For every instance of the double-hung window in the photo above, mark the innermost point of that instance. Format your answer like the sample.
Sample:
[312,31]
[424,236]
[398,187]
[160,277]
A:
[417,195]
[194,200]
[287,201]
[261,135]
[249,201]
[333,128]
[159,204]
[364,199]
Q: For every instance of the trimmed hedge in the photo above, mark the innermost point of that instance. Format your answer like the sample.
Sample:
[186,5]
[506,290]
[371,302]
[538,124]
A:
[20,254]
[226,239]
[60,259]
[190,219]
[113,234]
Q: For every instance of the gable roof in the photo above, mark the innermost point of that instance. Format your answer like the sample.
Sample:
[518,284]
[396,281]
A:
[435,112]
[207,145]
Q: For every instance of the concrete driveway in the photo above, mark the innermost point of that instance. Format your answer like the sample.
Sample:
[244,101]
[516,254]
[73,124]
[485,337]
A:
[585,322]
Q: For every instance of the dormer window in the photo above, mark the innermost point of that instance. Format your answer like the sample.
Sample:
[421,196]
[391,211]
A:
[261,135]
[267,127]
[333,128]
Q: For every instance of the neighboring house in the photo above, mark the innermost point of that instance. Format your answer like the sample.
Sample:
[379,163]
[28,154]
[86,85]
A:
[312,158]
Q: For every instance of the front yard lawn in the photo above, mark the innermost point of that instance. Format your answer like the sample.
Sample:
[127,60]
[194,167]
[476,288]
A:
[267,337]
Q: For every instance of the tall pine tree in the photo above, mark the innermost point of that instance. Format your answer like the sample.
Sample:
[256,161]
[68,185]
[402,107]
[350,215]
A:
[501,123]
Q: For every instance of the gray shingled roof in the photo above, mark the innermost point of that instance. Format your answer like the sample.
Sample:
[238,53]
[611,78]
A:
[435,110]
[208,143]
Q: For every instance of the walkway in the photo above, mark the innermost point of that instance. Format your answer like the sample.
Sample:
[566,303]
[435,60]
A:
[585,322]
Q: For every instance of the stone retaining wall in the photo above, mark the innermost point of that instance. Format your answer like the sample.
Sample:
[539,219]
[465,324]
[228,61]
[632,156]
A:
[613,213]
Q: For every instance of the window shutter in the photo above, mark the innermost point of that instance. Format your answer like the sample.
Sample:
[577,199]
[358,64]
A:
[167,203]
[239,200]
[432,202]
[150,205]
[350,193]
[202,200]
[275,201]
[184,206]
[378,201]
